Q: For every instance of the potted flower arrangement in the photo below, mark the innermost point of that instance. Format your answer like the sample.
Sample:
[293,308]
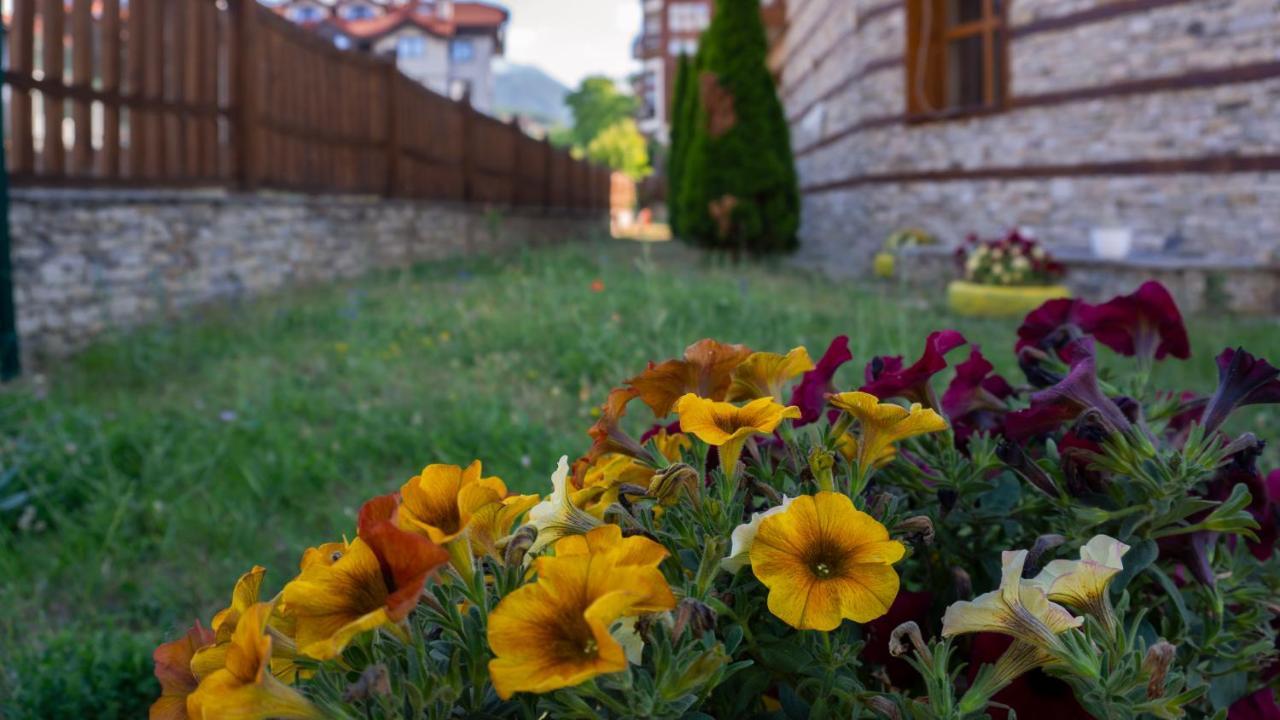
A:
[886,259]
[773,542]
[1009,276]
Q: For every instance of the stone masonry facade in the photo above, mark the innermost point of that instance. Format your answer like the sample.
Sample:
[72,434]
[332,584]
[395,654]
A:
[87,261]
[1158,115]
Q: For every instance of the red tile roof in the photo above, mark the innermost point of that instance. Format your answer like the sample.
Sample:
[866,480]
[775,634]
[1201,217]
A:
[466,15]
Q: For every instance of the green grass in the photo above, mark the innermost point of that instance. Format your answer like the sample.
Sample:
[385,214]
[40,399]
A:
[164,463]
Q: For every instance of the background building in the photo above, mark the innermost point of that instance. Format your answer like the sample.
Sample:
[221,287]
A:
[445,45]
[1063,116]
[672,28]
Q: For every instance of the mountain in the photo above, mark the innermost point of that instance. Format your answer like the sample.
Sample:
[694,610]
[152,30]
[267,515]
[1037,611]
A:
[527,90]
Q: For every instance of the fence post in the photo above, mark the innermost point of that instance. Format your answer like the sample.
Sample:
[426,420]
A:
[548,157]
[393,130]
[248,68]
[516,174]
[10,364]
[467,113]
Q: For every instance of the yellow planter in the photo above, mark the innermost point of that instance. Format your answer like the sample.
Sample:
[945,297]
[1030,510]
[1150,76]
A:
[976,300]
[883,265]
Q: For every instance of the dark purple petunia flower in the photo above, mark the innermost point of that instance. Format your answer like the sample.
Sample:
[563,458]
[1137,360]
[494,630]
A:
[909,605]
[1258,705]
[1145,323]
[1242,468]
[1050,326]
[671,428]
[1035,694]
[975,387]
[1075,394]
[810,395]
[887,378]
[1242,380]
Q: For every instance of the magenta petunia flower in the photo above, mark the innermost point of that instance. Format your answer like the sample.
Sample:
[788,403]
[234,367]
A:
[810,395]
[1145,323]
[1242,380]
[1050,326]
[887,378]
[1258,705]
[1075,394]
[975,387]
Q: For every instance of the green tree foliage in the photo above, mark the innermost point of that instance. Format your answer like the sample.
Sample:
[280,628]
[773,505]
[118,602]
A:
[597,105]
[738,154]
[623,148]
[685,94]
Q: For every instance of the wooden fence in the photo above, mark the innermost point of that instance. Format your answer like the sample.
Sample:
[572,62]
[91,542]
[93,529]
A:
[180,93]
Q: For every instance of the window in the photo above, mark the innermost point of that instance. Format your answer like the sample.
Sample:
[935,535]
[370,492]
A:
[357,12]
[682,47]
[462,50]
[956,55]
[410,46]
[305,13]
[688,17]
[342,42]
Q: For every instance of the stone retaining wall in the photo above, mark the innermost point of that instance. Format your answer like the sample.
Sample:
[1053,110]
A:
[86,261]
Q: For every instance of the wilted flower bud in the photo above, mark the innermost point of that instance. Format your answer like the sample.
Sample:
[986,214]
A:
[693,615]
[947,499]
[518,545]
[821,461]
[667,484]
[878,504]
[917,530]
[884,706]
[373,682]
[1043,544]
[1012,455]
[1156,665]
[908,632]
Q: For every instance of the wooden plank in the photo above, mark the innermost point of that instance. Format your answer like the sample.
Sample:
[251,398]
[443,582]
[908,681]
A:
[22,61]
[153,87]
[54,155]
[110,29]
[246,50]
[82,76]
[135,73]
[192,53]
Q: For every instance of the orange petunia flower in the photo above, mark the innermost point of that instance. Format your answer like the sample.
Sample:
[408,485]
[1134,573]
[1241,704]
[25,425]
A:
[728,426]
[173,670]
[764,374]
[375,584]
[824,561]
[245,687]
[705,371]
[607,436]
[247,593]
[555,633]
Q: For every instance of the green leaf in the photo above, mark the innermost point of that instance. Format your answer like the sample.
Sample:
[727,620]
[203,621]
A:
[1139,558]
[1227,689]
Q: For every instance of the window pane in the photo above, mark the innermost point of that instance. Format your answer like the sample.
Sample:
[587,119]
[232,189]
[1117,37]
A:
[964,67]
[963,11]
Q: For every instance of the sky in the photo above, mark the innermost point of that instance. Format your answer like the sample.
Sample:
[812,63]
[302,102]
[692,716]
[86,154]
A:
[571,39]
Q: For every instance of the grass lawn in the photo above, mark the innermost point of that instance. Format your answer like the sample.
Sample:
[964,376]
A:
[163,464]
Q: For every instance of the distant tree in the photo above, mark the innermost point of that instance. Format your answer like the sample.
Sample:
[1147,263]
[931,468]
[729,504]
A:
[738,189]
[560,136]
[623,148]
[596,105]
[683,110]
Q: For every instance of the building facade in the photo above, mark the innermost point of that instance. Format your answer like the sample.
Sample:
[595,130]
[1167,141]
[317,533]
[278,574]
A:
[446,45]
[1160,117]
[672,28]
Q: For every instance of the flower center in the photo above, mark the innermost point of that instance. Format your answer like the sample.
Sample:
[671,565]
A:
[822,570]
[590,648]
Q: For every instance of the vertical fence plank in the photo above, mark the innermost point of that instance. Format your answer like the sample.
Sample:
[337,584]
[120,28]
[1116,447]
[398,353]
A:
[22,62]
[153,88]
[81,80]
[54,104]
[247,53]
[191,36]
[109,28]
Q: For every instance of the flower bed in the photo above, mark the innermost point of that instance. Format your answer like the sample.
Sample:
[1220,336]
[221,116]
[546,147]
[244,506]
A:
[831,555]
[977,300]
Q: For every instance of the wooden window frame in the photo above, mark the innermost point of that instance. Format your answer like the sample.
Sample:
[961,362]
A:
[927,71]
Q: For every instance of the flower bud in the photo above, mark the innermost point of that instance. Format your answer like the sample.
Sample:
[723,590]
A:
[518,545]
[917,530]
[693,615]
[668,484]
[373,682]
[962,583]
[1043,544]
[908,632]
[1012,455]
[821,461]
[1156,665]
[884,706]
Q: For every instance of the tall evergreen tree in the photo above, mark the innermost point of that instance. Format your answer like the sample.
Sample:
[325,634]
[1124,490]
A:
[738,189]
[679,139]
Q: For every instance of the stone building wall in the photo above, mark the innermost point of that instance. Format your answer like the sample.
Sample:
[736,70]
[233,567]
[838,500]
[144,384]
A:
[86,261]
[1159,115]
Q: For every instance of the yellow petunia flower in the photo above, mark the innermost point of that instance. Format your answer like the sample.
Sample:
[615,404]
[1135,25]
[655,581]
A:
[824,561]
[880,425]
[672,445]
[728,426]
[245,687]
[764,374]
[603,480]
[555,632]
[246,594]
[1018,608]
[375,584]
[1083,583]
[440,502]
[323,554]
